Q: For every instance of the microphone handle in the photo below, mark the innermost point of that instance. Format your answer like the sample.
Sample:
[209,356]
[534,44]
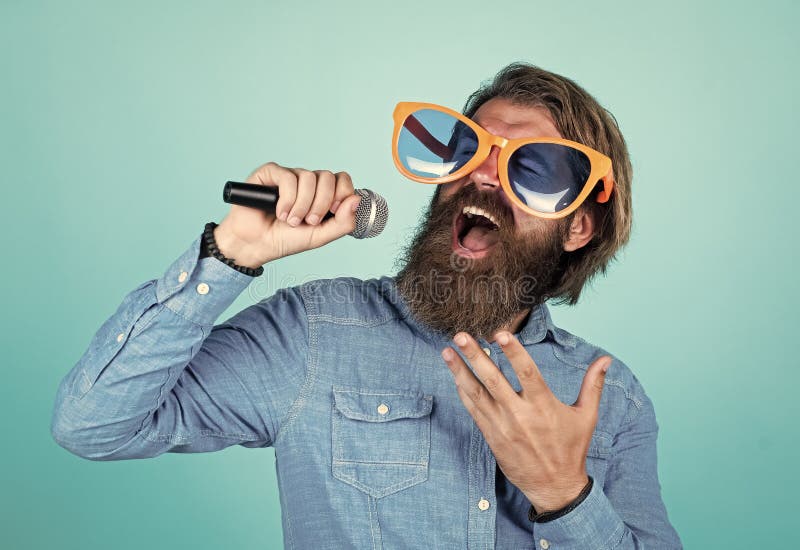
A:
[253,195]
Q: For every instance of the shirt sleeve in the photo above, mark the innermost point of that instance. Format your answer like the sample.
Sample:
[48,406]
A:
[159,376]
[628,511]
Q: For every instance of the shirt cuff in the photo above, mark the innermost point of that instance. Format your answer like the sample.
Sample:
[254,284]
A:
[592,524]
[199,289]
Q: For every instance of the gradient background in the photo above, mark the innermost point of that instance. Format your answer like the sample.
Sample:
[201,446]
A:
[120,125]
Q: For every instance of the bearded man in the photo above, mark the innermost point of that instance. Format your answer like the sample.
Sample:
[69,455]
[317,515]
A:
[530,438]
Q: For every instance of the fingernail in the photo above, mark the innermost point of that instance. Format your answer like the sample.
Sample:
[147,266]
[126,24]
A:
[447,354]
[294,221]
[460,339]
[312,219]
[503,338]
[355,204]
[282,216]
[608,364]
[335,205]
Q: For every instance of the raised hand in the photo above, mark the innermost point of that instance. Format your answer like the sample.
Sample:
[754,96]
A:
[253,237]
[539,442]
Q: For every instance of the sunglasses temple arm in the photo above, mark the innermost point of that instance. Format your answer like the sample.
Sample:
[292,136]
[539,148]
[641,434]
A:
[608,187]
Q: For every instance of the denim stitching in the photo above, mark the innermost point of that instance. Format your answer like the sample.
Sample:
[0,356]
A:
[619,534]
[353,389]
[372,520]
[183,439]
[608,382]
[638,404]
[135,331]
[352,321]
[184,317]
[385,491]
[342,461]
[311,368]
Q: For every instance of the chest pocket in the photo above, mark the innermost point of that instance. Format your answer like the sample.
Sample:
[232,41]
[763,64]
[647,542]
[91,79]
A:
[381,438]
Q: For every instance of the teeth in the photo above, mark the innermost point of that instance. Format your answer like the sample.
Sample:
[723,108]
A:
[470,211]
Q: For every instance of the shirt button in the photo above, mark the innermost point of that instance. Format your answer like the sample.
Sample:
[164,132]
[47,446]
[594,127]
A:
[483,504]
[487,351]
[120,336]
[544,543]
[182,276]
[202,288]
[383,409]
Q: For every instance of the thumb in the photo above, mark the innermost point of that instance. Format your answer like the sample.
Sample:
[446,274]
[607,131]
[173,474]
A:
[592,387]
[343,221]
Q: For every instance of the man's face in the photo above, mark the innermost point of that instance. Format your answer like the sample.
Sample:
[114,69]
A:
[477,260]
[501,117]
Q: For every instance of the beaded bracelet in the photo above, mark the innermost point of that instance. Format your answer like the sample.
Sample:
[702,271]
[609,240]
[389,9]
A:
[213,250]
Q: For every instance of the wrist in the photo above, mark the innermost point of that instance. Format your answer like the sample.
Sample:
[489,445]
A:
[210,248]
[556,498]
[544,516]
[241,252]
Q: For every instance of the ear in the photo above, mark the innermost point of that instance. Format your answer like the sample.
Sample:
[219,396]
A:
[581,230]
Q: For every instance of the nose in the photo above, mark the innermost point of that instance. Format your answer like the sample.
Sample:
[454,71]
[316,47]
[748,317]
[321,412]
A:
[485,176]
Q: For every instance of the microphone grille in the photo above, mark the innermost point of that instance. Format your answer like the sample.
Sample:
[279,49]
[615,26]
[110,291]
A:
[371,215]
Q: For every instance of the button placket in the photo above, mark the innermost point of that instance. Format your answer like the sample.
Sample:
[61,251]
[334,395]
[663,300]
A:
[482,526]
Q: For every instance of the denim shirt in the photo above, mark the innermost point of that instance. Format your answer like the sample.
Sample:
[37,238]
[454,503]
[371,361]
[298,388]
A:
[373,446]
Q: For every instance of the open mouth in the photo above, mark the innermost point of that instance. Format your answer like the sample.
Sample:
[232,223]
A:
[475,232]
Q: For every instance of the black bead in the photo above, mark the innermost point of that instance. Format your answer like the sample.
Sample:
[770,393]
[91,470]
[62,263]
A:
[213,250]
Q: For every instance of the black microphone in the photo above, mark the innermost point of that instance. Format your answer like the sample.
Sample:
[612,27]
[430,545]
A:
[371,215]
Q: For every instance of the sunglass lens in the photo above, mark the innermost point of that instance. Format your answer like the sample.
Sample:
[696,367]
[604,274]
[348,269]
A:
[548,177]
[433,144]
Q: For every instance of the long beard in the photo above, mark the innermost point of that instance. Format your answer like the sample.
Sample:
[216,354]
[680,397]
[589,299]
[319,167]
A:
[451,293]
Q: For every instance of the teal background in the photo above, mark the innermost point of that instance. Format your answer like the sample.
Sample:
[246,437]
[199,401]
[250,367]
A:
[121,122]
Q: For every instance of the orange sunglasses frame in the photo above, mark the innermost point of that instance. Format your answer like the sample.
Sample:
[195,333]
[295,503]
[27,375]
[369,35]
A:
[600,164]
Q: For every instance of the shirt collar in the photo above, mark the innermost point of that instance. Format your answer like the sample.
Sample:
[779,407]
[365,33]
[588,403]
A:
[536,325]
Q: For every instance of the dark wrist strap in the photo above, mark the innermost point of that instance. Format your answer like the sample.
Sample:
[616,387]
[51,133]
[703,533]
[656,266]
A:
[209,248]
[544,517]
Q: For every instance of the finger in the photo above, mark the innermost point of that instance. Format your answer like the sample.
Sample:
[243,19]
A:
[323,195]
[344,188]
[592,386]
[272,174]
[481,419]
[306,187]
[530,378]
[478,396]
[491,377]
[342,223]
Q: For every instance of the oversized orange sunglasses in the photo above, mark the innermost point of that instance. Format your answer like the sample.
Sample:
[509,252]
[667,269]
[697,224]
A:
[546,177]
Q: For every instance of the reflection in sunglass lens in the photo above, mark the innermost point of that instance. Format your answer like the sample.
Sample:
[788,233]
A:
[547,176]
[433,144]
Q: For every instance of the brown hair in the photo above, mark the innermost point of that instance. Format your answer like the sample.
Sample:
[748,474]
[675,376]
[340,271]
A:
[578,117]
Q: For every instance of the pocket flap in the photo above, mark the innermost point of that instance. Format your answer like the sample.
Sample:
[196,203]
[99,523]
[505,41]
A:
[381,405]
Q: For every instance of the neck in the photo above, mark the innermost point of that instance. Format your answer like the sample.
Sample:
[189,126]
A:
[516,323]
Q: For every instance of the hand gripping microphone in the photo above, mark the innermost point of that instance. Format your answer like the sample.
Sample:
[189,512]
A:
[371,215]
